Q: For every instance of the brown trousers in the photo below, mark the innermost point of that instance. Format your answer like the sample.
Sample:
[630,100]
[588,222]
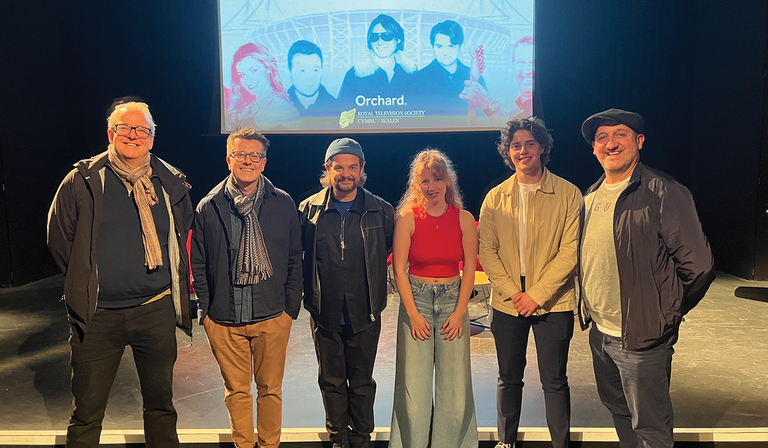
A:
[252,350]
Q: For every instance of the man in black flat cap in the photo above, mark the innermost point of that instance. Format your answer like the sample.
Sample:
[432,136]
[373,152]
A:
[644,262]
[347,237]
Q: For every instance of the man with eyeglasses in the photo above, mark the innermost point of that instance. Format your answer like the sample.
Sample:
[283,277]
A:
[645,262]
[347,234]
[117,228]
[246,267]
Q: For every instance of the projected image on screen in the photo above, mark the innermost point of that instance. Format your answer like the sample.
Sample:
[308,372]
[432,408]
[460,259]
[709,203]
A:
[418,65]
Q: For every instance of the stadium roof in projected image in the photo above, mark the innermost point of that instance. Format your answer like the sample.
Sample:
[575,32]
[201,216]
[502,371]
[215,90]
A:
[340,28]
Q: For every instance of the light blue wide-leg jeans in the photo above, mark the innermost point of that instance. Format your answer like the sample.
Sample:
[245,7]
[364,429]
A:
[418,421]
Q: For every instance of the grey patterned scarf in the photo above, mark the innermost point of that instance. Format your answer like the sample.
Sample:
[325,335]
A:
[253,263]
[145,197]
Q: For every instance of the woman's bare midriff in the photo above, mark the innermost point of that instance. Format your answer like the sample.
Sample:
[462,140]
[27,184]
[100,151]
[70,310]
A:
[436,280]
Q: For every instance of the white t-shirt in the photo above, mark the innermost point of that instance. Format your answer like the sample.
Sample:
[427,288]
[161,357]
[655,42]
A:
[526,191]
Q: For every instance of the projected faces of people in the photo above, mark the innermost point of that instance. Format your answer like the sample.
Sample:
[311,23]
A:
[446,53]
[523,70]
[132,148]
[246,173]
[385,44]
[617,148]
[306,73]
[525,152]
[345,172]
[253,76]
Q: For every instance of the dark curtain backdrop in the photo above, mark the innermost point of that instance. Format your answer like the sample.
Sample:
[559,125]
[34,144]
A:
[694,69]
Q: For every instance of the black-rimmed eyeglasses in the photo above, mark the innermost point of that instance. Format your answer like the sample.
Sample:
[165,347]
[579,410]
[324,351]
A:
[125,129]
[254,156]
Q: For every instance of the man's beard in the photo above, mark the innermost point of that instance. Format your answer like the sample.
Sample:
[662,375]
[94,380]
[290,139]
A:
[337,185]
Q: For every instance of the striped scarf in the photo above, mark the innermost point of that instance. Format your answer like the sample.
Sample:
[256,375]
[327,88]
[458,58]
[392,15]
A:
[253,264]
[145,197]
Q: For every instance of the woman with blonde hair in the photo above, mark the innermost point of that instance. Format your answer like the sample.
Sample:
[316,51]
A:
[432,236]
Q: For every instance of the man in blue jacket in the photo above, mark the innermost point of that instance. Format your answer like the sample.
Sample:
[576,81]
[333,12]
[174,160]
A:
[645,262]
[246,266]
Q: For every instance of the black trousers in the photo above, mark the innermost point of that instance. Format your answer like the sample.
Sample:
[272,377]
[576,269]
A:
[346,381]
[552,333]
[150,330]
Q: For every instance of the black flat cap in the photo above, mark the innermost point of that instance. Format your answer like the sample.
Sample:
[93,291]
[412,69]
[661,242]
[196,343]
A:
[611,117]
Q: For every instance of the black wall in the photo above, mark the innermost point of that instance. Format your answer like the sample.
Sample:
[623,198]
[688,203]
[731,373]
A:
[694,69]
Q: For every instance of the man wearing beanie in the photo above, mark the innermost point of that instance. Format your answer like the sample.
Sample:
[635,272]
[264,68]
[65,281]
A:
[645,263]
[118,228]
[347,237]
[246,266]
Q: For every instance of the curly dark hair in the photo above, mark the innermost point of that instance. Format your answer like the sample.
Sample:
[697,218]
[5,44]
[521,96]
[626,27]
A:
[536,127]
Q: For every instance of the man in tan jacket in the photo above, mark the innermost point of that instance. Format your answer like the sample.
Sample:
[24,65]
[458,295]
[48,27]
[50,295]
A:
[528,248]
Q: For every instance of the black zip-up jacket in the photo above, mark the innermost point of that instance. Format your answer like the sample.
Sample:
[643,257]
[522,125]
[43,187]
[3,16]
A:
[664,260]
[377,225]
[73,228]
[212,270]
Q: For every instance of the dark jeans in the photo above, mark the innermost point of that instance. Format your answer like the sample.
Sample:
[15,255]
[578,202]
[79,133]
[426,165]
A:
[552,333]
[634,386]
[346,381]
[150,330]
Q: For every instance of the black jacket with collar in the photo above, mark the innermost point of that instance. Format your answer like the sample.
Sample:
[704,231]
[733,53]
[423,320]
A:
[73,228]
[664,260]
[377,225]
[211,255]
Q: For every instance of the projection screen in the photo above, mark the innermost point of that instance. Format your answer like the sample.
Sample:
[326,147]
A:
[307,66]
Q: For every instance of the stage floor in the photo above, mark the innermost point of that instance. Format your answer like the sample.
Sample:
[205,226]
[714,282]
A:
[719,378]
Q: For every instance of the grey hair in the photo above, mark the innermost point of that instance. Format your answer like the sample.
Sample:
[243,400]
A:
[126,107]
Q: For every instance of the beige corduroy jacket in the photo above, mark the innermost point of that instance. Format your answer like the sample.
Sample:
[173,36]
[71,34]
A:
[552,243]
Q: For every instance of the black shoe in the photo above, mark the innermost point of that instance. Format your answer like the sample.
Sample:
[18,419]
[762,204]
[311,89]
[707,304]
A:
[340,443]
[359,445]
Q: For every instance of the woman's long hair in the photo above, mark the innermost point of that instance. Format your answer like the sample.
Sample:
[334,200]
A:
[240,97]
[441,166]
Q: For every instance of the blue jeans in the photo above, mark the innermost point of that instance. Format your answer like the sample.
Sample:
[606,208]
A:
[634,386]
[417,421]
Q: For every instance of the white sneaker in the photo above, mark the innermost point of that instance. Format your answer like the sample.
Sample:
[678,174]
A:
[505,445]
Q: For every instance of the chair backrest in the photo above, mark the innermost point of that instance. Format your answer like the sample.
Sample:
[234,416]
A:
[479,267]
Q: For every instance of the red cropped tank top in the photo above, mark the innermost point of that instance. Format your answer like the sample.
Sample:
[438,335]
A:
[436,248]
